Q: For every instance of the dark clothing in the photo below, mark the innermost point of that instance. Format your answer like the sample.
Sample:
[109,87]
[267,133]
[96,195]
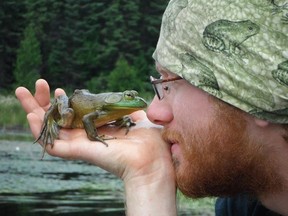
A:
[241,205]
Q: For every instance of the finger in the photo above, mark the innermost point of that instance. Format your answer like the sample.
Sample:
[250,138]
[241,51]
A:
[113,158]
[42,94]
[94,152]
[59,92]
[138,115]
[35,124]
[80,149]
[26,99]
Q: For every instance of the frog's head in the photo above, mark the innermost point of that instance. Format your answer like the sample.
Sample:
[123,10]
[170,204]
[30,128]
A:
[249,28]
[127,100]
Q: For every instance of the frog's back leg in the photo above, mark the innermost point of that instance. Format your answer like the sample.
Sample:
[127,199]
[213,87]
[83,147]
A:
[50,129]
[58,115]
[66,113]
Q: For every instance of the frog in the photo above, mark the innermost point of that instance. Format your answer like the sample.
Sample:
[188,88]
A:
[202,73]
[226,36]
[277,8]
[281,73]
[89,111]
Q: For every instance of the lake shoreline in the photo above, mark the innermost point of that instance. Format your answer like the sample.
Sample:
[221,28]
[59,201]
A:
[54,186]
[16,133]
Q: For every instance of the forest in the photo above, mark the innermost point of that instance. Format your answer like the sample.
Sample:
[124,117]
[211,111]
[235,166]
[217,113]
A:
[100,45]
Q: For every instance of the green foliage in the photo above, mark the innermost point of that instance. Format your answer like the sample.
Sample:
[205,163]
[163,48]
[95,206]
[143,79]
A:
[12,114]
[123,77]
[80,41]
[97,84]
[28,60]
[12,23]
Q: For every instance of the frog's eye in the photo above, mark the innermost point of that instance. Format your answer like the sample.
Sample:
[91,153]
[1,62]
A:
[130,95]
[113,98]
[250,28]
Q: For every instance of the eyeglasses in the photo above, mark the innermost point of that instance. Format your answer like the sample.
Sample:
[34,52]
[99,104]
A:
[158,87]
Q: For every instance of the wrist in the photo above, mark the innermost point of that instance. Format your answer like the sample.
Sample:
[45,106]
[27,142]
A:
[154,194]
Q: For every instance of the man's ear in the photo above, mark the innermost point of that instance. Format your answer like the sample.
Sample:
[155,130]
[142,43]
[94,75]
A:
[261,122]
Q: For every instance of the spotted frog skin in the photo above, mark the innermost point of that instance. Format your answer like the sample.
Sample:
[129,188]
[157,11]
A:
[227,36]
[202,73]
[89,111]
[281,73]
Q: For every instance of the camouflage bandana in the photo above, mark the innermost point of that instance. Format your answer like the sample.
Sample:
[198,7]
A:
[236,50]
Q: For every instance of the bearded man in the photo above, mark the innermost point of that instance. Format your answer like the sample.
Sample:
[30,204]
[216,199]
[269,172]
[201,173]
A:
[218,123]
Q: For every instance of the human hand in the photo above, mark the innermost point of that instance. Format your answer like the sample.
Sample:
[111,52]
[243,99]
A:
[127,155]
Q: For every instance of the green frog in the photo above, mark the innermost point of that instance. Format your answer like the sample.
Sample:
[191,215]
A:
[227,36]
[281,73]
[89,111]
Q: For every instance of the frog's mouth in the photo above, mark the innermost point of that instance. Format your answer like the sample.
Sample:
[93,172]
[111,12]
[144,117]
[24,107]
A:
[136,104]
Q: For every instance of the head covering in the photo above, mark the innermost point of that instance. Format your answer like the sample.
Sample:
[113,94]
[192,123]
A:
[236,50]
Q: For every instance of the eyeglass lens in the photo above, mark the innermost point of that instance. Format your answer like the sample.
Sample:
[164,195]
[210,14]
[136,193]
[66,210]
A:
[157,85]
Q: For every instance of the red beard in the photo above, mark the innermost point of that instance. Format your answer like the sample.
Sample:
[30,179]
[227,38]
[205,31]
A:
[225,161]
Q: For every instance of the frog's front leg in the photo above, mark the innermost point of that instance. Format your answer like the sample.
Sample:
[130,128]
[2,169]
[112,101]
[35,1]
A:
[125,121]
[89,126]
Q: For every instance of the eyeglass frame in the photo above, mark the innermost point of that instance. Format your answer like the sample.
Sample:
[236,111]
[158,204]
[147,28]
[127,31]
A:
[155,81]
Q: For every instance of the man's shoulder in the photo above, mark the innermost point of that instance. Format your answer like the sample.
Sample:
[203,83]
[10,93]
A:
[242,205]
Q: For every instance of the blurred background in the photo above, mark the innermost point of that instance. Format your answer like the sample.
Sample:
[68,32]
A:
[89,43]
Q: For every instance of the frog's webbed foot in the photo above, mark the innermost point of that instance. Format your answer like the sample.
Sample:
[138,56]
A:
[48,134]
[50,130]
[91,131]
[100,138]
[125,121]
[92,134]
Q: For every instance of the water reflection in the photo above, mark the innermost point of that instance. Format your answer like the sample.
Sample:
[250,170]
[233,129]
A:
[31,186]
[60,203]
[52,186]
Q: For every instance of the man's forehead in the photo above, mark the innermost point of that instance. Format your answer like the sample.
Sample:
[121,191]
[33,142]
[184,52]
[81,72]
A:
[162,70]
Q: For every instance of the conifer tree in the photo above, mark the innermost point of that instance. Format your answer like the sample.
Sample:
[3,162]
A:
[123,77]
[12,24]
[28,61]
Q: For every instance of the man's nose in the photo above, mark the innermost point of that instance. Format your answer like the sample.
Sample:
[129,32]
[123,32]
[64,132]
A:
[159,112]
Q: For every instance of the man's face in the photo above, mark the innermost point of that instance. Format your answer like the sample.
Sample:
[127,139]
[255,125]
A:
[213,147]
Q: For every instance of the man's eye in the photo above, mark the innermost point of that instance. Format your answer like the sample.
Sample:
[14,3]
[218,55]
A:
[165,88]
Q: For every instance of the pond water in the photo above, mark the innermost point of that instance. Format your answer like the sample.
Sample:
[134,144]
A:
[52,186]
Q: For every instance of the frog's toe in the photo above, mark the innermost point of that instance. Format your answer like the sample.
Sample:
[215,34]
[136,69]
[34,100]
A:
[98,138]
[48,134]
[125,121]
[102,141]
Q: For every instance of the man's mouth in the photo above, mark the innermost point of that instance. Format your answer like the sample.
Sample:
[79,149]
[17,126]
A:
[172,141]
[173,144]
[175,148]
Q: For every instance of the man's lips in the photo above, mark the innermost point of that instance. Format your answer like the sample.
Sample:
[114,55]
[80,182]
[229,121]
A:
[171,139]
[175,148]
[174,145]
